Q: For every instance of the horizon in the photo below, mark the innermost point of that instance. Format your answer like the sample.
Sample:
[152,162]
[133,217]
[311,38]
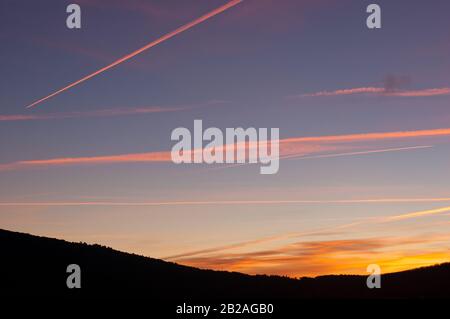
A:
[207,269]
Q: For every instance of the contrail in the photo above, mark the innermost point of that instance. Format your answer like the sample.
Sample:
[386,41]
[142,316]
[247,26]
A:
[144,48]
[368,136]
[358,153]
[107,112]
[95,113]
[303,157]
[234,202]
[165,156]
[418,214]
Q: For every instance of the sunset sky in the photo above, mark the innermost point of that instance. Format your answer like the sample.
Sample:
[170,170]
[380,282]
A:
[364,119]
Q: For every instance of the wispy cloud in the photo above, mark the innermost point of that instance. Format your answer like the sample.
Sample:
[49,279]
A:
[94,113]
[310,258]
[292,257]
[333,229]
[110,112]
[113,159]
[370,136]
[164,38]
[301,156]
[416,214]
[419,93]
[295,146]
[345,256]
[360,90]
[246,202]
[381,91]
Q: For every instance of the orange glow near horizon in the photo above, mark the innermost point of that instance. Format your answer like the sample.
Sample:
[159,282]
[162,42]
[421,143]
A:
[321,258]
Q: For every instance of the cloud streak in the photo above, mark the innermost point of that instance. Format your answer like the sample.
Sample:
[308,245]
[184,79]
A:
[333,229]
[421,213]
[110,112]
[369,136]
[144,48]
[381,91]
[345,256]
[289,147]
[244,202]
[360,90]
[113,159]
[332,155]
[84,114]
[385,150]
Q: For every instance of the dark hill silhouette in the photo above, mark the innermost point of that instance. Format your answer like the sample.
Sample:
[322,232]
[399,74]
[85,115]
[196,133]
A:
[32,265]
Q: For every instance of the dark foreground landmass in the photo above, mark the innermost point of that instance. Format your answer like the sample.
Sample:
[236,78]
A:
[32,265]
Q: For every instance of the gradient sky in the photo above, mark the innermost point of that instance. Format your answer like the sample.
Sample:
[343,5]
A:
[348,197]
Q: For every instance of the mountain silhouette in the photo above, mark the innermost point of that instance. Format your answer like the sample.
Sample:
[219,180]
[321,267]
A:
[32,265]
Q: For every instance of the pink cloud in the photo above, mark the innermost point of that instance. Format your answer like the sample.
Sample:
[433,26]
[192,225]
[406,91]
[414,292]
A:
[381,91]
[352,91]
[311,258]
[289,147]
[418,93]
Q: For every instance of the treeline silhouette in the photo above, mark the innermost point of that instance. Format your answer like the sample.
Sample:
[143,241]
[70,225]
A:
[32,265]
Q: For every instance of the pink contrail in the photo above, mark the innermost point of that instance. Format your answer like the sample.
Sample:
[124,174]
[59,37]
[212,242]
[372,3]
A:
[144,48]
[295,146]
[368,136]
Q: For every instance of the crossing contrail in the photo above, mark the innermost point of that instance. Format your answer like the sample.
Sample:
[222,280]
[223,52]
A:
[301,156]
[144,48]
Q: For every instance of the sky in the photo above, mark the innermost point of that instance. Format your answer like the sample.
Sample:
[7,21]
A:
[363,116]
